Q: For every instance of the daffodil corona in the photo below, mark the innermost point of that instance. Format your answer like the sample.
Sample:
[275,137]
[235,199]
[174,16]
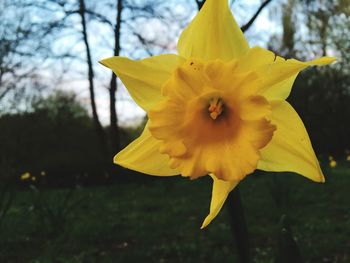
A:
[217,108]
[212,120]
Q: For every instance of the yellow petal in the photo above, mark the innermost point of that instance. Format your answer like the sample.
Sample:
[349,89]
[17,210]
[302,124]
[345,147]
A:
[290,149]
[220,191]
[213,34]
[143,155]
[144,78]
[276,73]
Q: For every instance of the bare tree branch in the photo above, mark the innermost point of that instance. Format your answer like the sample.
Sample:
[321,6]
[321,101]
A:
[200,3]
[255,16]
[245,27]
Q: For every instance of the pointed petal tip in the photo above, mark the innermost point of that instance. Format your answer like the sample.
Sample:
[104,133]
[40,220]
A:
[220,191]
[290,149]
[116,159]
[332,59]
[206,222]
[106,62]
[103,62]
[317,176]
[322,61]
[319,179]
[322,178]
[212,34]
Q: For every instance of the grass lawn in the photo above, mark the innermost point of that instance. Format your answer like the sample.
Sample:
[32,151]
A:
[159,221]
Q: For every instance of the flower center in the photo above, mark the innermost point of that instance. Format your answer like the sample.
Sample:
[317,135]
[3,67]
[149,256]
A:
[216,107]
[211,120]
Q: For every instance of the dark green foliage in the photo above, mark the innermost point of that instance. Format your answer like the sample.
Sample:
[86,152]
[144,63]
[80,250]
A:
[280,190]
[322,98]
[54,213]
[159,221]
[287,251]
[56,137]
[7,195]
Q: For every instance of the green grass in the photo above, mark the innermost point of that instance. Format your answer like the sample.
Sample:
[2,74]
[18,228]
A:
[159,221]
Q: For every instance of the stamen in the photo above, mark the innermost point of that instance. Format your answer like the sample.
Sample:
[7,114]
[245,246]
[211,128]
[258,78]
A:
[215,107]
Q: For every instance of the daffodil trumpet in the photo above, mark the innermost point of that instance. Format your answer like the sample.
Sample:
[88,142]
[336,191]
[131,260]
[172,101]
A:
[218,107]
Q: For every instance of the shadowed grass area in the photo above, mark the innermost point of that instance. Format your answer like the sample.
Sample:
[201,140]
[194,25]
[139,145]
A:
[159,221]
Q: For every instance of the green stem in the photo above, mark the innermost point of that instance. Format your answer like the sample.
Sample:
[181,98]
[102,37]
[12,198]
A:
[238,225]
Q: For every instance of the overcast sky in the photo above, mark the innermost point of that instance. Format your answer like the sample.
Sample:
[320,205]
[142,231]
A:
[129,113]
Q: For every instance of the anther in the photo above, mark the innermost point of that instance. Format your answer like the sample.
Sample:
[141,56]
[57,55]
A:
[215,107]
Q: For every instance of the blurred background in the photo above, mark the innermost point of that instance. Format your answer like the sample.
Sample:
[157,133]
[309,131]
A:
[63,117]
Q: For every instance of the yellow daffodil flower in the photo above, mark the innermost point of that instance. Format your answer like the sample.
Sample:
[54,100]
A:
[332,164]
[348,158]
[218,107]
[25,176]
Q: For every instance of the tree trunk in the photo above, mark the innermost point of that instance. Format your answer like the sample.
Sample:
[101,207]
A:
[114,129]
[97,123]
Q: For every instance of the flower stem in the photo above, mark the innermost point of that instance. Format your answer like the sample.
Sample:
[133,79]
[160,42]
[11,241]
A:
[238,225]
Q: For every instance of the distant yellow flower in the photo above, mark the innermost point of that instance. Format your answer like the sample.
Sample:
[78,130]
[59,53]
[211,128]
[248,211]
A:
[25,176]
[217,108]
[330,158]
[348,158]
[33,178]
[332,163]
[43,173]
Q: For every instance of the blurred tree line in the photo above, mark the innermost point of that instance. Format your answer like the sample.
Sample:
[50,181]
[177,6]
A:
[321,95]
[46,44]
[49,44]
[55,139]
